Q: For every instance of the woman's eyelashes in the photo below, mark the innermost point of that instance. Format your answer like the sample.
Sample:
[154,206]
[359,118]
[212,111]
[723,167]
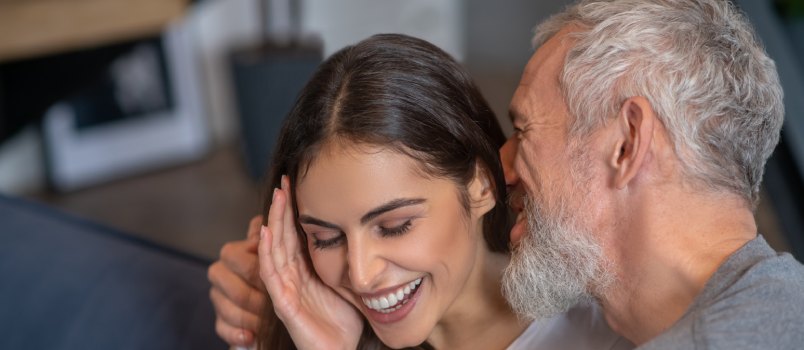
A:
[327,243]
[396,230]
[329,239]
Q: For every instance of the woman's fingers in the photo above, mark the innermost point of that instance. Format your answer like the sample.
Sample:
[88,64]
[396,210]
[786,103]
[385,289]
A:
[268,271]
[291,238]
[282,266]
[276,228]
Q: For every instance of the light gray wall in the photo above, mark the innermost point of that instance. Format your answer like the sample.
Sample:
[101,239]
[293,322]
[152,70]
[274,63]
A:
[497,35]
[492,38]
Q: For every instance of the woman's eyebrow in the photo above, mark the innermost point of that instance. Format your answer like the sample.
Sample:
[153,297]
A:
[391,205]
[305,219]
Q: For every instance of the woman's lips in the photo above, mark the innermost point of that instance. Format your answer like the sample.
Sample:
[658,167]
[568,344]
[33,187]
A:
[376,309]
[386,302]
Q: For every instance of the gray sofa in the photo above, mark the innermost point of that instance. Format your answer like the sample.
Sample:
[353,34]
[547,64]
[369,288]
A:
[66,283]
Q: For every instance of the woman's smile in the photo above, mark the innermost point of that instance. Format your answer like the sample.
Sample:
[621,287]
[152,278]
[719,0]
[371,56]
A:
[393,300]
[393,306]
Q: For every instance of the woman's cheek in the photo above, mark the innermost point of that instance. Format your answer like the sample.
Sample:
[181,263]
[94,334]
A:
[328,266]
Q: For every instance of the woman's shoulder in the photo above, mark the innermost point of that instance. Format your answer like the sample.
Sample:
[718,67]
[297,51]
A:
[582,327]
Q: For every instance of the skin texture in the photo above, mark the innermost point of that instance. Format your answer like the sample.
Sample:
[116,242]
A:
[662,236]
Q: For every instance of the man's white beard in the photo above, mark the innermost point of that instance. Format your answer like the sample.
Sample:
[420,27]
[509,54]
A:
[556,264]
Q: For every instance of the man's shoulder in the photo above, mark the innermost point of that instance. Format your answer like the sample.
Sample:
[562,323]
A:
[773,279]
[764,306]
[760,306]
[753,276]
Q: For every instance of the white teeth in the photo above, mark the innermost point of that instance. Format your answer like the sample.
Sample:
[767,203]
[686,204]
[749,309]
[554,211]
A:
[392,301]
[387,311]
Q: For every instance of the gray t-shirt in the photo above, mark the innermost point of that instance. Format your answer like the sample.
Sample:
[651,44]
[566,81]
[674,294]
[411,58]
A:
[755,300]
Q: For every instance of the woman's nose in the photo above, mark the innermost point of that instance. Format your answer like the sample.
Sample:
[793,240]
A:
[366,264]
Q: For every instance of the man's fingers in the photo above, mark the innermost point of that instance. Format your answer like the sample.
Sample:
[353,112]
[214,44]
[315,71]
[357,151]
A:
[241,258]
[232,335]
[253,233]
[232,314]
[236,289]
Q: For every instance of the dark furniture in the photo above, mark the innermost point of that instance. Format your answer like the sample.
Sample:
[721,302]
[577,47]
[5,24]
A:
[66,283]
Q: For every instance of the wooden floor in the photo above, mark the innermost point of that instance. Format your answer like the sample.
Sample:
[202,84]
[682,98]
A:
[194,208]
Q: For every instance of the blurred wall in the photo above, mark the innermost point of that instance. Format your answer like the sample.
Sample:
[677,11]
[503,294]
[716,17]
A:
[491,38]
[226,24]
[498,35]
[219,26]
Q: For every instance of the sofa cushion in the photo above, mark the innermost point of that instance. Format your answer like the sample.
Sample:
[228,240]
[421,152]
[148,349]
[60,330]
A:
[66,283]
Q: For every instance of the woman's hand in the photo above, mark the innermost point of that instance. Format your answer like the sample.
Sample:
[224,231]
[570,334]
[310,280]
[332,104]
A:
[315,316]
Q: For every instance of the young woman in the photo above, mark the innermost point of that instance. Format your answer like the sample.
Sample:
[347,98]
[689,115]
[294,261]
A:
[387,224]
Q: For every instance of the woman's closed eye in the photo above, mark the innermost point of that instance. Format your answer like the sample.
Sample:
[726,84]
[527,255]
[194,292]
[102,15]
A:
[395,228]
[327,238]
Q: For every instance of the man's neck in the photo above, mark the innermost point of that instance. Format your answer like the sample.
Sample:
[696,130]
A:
[673,248]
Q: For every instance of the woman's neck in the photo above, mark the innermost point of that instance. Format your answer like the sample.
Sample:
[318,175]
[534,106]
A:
[480,318]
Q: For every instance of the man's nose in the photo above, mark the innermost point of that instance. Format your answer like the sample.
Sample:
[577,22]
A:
[507,156]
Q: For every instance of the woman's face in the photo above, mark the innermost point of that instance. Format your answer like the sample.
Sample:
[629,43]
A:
[395,243]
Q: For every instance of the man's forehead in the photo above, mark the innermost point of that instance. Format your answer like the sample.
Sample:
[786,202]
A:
[553,51]
[542,70]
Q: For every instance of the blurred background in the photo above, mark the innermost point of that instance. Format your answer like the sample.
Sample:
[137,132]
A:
[156,117]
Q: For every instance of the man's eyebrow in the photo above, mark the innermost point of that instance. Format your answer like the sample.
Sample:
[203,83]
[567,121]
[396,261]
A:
[513,115]
[306,219]
[391,205]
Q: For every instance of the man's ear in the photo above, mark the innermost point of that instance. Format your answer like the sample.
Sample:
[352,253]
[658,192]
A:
[481,192]
[635,123]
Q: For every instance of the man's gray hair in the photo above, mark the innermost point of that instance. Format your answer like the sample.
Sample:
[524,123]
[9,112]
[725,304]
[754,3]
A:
[700,65]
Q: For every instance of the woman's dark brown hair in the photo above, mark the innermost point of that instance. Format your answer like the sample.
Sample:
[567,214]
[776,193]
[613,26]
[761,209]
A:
[405,94]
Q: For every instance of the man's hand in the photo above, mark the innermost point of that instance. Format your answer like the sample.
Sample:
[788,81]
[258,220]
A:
[237,292]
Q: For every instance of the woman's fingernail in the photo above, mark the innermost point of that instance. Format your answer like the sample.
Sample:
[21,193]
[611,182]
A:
[263,231]
[273,197]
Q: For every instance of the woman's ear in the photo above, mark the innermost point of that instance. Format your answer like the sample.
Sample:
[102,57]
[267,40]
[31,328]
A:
[481,192]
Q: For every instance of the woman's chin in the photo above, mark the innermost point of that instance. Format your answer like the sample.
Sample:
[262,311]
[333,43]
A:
[400,341]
